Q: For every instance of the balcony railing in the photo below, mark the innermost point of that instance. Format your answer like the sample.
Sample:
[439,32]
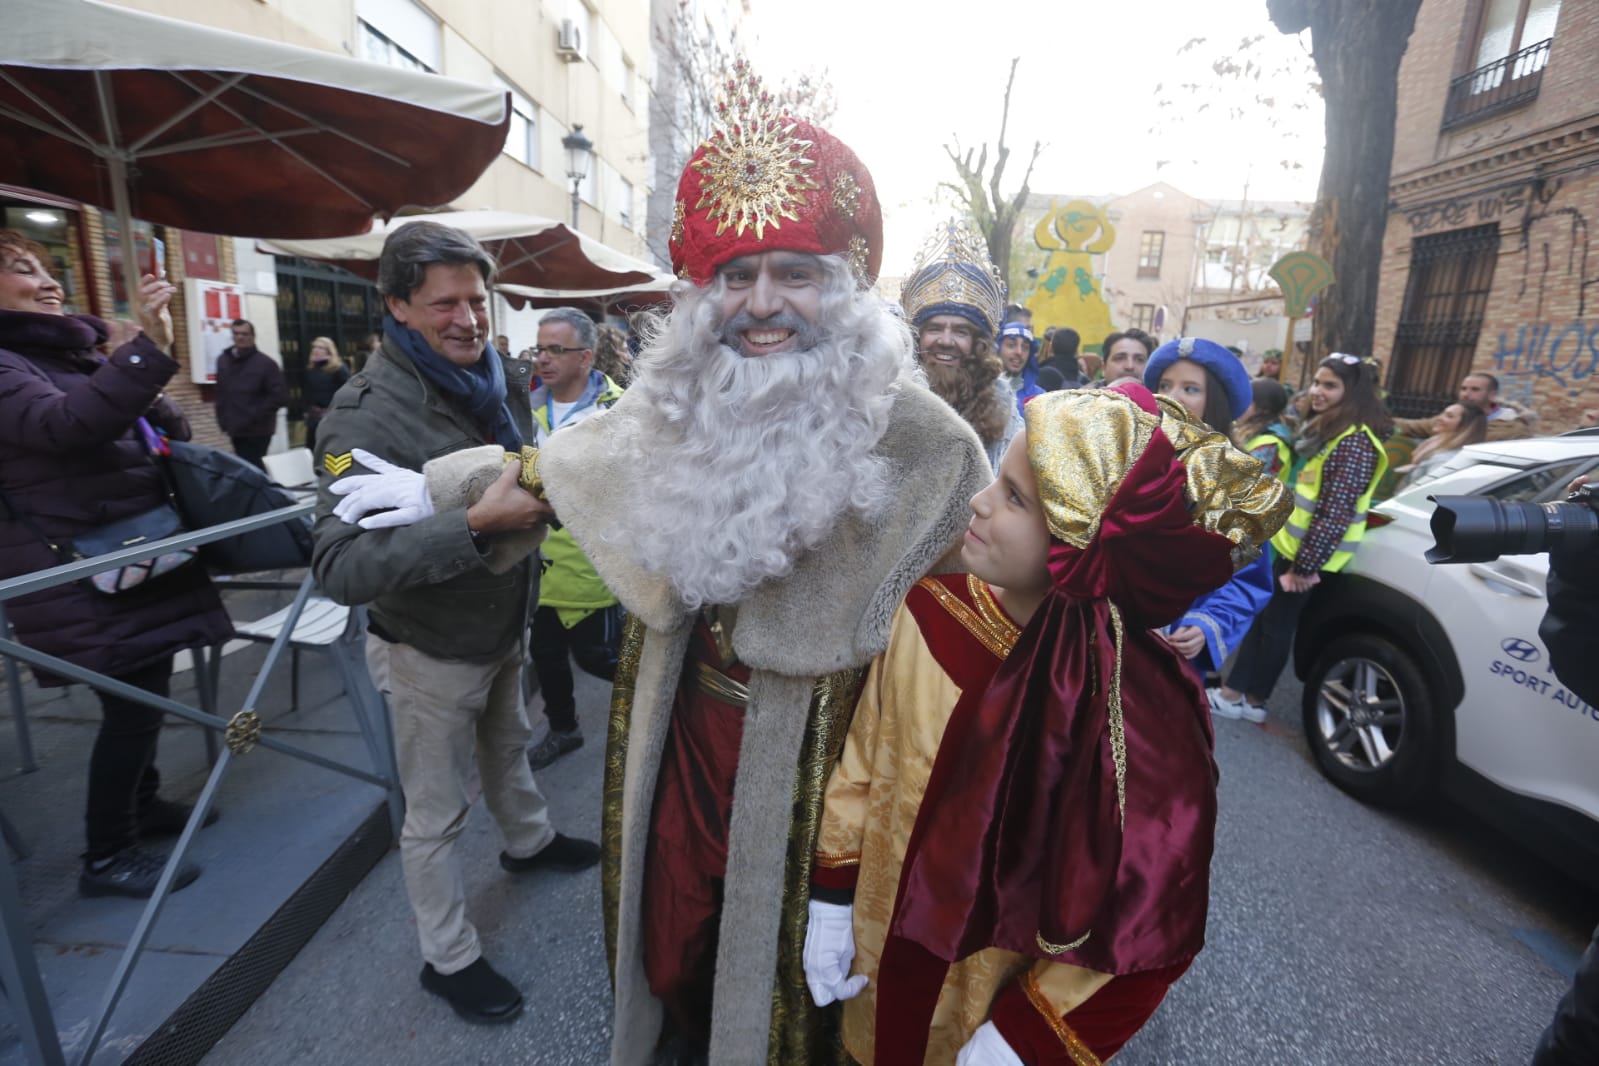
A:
[1503,85]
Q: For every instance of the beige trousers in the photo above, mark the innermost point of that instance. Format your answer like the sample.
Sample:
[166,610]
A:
[442,710]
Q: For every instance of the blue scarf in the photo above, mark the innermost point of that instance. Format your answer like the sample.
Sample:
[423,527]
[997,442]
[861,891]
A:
[479,388]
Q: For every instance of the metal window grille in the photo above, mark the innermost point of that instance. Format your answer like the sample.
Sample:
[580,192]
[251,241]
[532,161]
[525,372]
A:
[1451,275]
[1500,86]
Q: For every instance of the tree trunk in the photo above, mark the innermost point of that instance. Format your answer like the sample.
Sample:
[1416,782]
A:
[1357,45]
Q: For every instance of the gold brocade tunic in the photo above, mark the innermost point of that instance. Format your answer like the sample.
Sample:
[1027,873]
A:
[871,802]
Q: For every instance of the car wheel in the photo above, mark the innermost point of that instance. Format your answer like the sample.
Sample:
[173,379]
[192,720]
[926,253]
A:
[1369,720]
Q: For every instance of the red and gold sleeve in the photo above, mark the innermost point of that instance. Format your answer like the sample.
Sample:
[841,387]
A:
[1061,1015]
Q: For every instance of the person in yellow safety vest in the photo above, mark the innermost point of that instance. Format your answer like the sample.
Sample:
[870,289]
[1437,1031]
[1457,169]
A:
[1341,442]
[1262,431]
[576,613]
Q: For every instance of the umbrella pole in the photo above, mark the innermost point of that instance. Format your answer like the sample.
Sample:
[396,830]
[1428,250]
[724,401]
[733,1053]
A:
[130,263]
[118,168]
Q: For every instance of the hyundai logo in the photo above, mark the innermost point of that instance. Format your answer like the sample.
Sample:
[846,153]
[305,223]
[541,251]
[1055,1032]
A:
[1521,650]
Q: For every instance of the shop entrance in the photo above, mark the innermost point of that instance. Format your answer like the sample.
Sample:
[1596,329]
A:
[320,301]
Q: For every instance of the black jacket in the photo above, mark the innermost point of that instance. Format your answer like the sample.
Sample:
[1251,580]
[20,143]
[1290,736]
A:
[72,459]
[1570,631]
[250,390]
[1061,372]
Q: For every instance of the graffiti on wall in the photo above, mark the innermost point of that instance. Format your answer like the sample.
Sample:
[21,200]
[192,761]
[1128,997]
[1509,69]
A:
[1563,353]
[1482,208]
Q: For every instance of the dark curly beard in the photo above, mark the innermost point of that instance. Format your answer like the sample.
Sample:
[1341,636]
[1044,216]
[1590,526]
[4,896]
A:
[968,387]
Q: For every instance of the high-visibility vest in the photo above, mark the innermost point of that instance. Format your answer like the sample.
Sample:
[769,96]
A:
[1307,489]
[1285,452]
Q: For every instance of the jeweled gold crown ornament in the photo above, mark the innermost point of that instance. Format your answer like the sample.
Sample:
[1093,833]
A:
[766,181]
[954,276]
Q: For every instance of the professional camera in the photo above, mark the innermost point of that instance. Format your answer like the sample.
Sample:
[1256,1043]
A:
[1478,529]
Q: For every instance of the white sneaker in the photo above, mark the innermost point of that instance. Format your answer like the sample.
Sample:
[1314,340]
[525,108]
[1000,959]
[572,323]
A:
[1222,707]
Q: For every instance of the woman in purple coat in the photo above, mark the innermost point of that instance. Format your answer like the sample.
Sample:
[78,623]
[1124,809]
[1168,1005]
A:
[73,459]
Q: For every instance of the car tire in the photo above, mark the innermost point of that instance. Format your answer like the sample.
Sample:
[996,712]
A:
[1381,746]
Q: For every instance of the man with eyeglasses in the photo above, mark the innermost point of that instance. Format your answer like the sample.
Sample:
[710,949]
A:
[576,614]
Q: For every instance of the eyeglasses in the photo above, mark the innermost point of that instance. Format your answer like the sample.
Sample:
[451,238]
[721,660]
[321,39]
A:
[554,349]
[1342,358]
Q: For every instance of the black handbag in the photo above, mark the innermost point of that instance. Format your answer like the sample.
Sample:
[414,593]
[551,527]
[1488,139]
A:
[146,526]
[212,486]
[154,524]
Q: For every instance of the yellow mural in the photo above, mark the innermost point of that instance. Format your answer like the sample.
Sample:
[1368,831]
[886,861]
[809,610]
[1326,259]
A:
[1068,293]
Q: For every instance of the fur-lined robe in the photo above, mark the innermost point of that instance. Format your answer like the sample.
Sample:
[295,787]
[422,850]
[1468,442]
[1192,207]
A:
[806,638]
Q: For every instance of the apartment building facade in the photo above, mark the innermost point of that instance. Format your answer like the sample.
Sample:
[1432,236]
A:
[1488,263]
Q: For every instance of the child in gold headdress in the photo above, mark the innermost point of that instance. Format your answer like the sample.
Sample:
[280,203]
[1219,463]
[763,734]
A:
[1015,846]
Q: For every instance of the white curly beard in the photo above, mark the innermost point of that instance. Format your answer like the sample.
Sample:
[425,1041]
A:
[746,463]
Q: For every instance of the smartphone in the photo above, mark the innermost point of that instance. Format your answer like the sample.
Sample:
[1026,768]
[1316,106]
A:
[158,258]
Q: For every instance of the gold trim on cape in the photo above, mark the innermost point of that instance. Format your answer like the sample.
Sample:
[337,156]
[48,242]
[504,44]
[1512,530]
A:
[1081,1054]
[987,622]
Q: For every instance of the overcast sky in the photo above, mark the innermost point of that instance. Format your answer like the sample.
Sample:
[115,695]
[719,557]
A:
[910,76]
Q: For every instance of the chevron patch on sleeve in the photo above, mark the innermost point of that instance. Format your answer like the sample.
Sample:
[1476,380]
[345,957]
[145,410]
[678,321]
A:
[337,464]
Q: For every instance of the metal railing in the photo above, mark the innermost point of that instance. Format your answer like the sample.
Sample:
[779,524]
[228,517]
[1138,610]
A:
[1503,85]
[242,732]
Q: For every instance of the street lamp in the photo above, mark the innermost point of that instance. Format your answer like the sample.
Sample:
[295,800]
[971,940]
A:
[579,153]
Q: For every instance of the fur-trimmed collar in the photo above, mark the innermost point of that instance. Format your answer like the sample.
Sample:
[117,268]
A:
[833,610]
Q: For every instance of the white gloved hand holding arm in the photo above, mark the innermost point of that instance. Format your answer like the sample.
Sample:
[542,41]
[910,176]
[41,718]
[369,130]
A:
[829,949]
[401,494]
[988,1048]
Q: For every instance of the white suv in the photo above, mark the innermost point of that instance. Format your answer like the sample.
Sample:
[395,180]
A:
[1419,677]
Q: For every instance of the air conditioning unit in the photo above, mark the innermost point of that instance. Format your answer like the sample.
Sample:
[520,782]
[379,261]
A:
[569,44]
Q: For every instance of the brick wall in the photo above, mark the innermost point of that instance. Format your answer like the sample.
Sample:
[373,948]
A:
[1535,172]
[193,398]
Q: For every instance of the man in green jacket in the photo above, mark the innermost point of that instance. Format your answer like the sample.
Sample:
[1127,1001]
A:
[576,613]
[448,613]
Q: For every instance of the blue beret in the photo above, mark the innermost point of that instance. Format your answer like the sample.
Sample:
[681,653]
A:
[1227,367]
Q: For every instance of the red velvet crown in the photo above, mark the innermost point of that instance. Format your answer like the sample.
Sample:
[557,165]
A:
[767,182]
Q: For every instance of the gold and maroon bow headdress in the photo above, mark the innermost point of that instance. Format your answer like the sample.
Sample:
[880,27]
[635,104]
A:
[1071,810]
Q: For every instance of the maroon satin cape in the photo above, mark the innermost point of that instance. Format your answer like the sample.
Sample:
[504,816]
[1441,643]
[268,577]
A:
[1020,838]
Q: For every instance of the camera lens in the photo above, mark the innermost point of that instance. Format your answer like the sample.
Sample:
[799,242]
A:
[1477,529]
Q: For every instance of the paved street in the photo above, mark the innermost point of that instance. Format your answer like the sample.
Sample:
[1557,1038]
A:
[1338,935]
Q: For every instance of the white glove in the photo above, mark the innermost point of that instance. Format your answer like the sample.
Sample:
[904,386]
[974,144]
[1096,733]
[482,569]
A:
[987,1048]
[401,494]
[829,949]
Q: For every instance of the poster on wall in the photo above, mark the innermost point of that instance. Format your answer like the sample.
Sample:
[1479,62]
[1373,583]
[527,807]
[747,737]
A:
[213,305]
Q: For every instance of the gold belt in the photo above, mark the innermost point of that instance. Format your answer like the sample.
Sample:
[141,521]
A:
[717,685]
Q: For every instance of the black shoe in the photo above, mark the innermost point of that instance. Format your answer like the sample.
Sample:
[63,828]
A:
[562,853]
[477,993]
[554,745]
[131,872]
[164,818]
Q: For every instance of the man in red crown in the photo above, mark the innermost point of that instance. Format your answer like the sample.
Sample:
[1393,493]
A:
[761,499]
[776,480]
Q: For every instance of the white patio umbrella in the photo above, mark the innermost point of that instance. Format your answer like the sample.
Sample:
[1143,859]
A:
[220,132]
